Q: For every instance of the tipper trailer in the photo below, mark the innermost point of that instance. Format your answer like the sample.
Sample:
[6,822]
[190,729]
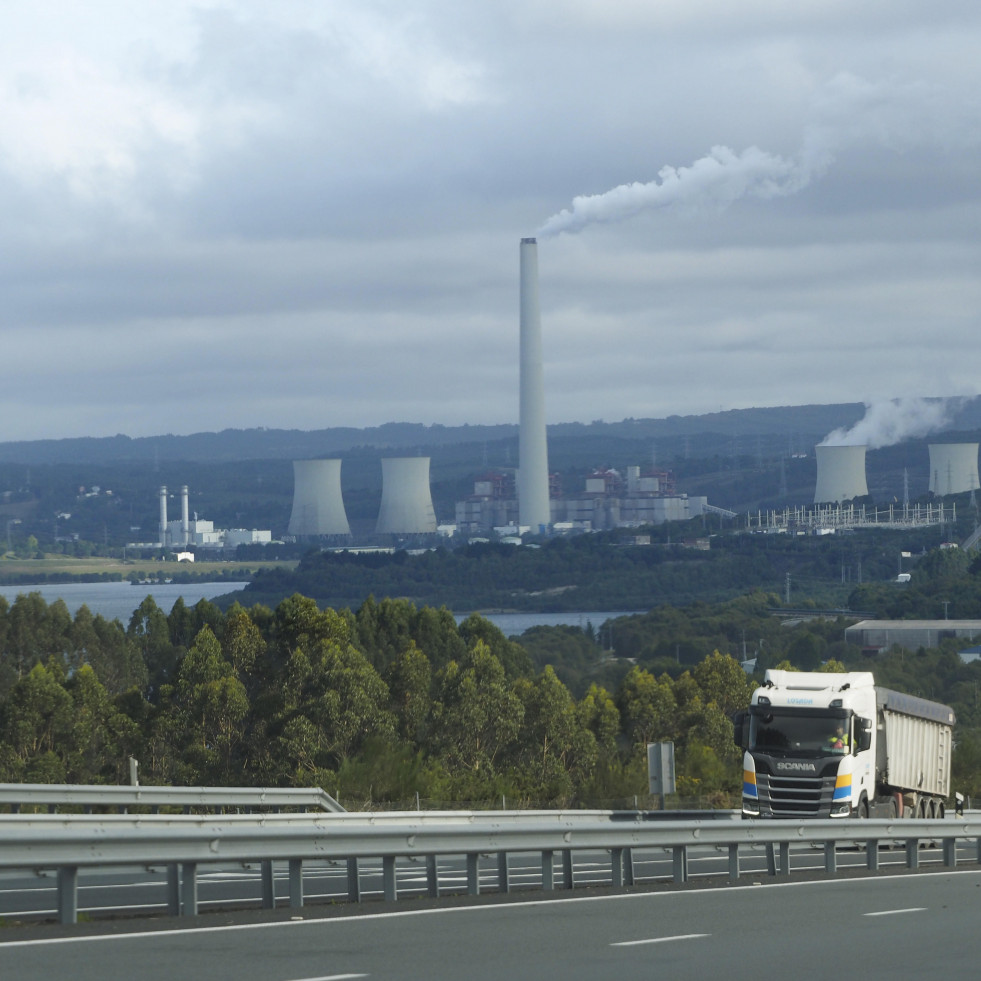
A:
[822,745]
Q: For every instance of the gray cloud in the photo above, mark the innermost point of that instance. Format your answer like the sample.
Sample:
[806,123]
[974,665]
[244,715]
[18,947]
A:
[303,215]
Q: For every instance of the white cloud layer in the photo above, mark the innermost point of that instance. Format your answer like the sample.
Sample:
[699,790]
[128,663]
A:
[303,215]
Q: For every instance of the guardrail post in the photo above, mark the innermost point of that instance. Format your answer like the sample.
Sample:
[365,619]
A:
[734,863]
[785,858]
[432,876]
[616,867]
[830,858]
[68,894]
[872,856]
[567,868]
[473,873]
[353,881]
[268,884]
[771,859]
[389,885]
[548,871]
[628,866]
[296,883]
[912,853]
[503,874]
[173,889]
[189,888]
[950,852]
[680,863]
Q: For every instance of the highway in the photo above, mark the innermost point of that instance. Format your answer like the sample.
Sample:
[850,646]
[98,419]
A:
[880,927]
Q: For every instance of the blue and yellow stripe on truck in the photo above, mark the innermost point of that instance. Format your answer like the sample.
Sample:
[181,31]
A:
[749,778]
[843,784]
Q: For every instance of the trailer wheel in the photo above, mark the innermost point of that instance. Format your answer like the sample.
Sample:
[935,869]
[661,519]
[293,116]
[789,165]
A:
[941,810]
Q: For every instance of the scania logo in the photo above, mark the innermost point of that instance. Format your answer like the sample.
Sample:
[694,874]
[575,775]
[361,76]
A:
[809,767]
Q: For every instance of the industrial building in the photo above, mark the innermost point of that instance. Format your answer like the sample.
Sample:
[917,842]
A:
[606,501]
[879,635]
[189,531]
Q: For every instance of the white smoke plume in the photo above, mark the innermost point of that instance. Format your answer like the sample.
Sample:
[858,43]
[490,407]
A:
[719,178]
[845,110]
[890,422]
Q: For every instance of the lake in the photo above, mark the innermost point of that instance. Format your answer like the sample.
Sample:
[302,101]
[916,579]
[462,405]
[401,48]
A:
[118,600]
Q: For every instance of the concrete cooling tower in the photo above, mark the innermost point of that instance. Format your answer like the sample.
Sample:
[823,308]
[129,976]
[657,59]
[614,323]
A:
[534,509]
[318,508]
[840,473]
[953,468]
[406,503]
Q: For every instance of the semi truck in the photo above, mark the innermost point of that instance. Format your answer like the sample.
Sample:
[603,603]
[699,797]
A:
[820,745]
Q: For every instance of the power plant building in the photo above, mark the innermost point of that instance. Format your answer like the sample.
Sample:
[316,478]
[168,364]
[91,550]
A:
[406,503]
[318,507]
[840,473]
[953,468]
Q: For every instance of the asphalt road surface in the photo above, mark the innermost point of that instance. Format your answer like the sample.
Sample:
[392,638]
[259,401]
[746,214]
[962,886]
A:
[883,927]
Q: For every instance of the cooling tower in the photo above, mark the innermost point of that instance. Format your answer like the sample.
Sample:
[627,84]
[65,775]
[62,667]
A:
[533,504]
[840,473]
[163,515]
[318,508]
[953,468]
[406,504]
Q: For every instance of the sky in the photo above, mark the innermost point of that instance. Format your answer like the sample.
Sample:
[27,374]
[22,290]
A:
[300,215]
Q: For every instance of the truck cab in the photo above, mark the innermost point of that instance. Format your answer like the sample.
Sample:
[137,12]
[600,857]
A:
[809,746]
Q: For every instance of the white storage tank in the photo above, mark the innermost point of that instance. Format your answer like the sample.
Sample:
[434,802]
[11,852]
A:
[840,473]
[318,507]
[953,468]
[406,503]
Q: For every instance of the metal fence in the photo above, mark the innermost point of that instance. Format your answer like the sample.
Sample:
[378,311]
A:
[184,843]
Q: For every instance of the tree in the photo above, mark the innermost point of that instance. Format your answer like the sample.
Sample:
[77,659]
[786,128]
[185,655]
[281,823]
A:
[478,715]
[647,706]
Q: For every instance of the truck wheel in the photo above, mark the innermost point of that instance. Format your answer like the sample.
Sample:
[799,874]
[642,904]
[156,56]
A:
[862,811]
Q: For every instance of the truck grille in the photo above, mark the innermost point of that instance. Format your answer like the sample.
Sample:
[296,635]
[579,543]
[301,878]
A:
[795,796]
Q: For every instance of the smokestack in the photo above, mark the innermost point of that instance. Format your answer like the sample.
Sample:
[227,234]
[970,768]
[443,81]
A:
[185,523]
[163,514]
[533,504]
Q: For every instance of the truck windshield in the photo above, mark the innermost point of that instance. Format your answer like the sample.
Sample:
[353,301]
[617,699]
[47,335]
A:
[797,734]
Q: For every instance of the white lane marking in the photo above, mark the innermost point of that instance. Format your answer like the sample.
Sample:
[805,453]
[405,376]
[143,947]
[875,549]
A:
[893,912]
[660,940]
[335,977]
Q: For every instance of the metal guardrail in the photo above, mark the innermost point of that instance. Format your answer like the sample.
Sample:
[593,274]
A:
[182,843]
[121,798]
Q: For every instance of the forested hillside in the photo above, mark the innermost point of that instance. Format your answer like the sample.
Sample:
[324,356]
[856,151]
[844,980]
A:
[390,700]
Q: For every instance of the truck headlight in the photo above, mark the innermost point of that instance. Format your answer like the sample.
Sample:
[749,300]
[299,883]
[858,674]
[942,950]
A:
[843,809]
[751,806]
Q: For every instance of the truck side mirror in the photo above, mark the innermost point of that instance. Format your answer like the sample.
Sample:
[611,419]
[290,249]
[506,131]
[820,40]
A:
[739,729]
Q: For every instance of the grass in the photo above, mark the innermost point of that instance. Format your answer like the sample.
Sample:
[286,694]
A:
[19,569]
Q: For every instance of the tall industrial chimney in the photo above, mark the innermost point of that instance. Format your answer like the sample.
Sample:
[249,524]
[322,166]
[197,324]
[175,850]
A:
[185,523]
[163,515]
[533,504]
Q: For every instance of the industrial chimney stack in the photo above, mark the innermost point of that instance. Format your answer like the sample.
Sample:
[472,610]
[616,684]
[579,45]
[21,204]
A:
[533,504]
[163,516]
